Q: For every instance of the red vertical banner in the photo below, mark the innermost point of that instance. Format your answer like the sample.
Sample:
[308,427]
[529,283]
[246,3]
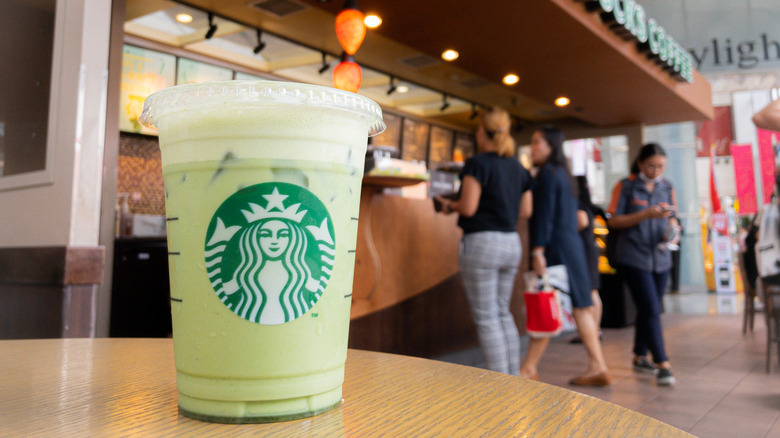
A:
[742,157]
[714,197]
[714,134]
[767,142]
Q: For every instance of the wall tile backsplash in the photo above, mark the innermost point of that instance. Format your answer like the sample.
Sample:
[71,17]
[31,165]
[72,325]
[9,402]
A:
[139,174]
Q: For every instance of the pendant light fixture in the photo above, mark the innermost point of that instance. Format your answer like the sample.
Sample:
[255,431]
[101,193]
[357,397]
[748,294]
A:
[350,31]
[350,28]
[347,75]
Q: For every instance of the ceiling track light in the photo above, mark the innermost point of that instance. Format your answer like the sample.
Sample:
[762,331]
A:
[519,124]
[212,27]
[260,44]
[393,86]
[325,65]
[474,112]
[444,103]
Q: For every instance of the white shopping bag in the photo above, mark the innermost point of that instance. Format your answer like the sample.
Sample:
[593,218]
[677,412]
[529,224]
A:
[768,245]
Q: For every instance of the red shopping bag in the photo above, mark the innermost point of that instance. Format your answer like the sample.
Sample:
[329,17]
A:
[543,317]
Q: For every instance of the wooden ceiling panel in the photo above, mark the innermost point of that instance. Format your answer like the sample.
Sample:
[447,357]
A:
[555,46]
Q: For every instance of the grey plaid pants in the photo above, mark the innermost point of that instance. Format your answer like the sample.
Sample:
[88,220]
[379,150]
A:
[488,264]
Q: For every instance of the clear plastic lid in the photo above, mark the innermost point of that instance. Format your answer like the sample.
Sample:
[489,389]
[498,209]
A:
[251,93]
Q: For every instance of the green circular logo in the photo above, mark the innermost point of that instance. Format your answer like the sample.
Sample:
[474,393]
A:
[270,250]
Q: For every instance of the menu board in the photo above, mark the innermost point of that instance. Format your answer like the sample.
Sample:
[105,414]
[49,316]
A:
[414,140]
[441,146]
[464,146]
[143,73]
[190,72]
[390,136]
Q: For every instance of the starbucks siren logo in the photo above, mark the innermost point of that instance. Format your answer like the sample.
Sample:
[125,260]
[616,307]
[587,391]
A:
[270,264]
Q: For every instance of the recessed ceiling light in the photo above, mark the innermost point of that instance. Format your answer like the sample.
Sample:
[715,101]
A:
[562,101]
[373,21]
[511,79]
[450,55]
[184,18]
[402,89]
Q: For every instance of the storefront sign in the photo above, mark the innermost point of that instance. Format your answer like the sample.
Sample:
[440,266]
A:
[742,157]
[746,54]
[628,19]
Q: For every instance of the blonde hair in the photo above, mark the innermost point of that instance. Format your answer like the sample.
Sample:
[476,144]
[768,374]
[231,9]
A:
[497,125]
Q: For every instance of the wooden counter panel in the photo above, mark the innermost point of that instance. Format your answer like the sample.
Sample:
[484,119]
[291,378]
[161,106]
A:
[404,248]
[433,323]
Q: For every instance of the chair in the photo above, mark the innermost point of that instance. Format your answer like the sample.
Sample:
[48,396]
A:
[771,296]
[750,308]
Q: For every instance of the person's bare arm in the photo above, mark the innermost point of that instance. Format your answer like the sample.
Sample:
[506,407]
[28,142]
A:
[467,205]
[768,117]
[629,220]
[526,205]
[538,261]
[582,220]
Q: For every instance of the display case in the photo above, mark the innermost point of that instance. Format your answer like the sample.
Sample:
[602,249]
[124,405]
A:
[601,232]
[618,306]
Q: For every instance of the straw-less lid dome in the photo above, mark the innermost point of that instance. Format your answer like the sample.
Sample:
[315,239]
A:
[247,93]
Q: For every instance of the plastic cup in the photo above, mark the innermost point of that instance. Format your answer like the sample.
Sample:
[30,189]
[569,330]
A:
[262,193]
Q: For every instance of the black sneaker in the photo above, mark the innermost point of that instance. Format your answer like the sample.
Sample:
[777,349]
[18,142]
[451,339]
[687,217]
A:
[665,377]
[644,366]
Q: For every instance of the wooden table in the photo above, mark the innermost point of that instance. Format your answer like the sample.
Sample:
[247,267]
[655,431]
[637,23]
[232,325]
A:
[127,387]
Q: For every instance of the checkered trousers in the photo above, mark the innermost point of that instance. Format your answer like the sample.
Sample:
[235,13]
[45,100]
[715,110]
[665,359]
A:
[488,264]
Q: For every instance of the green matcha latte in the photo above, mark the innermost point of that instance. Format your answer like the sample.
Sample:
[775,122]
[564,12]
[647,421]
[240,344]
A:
[262,189]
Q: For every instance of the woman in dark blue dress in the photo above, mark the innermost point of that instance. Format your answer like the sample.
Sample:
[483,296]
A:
[555,240]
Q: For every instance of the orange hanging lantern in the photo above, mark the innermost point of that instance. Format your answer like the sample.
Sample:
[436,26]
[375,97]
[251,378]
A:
[347,75]
[350,29]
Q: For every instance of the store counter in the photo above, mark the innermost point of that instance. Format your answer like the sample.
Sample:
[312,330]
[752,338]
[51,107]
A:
[403,246]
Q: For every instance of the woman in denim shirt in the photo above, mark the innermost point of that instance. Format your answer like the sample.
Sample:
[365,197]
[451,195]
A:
[555,240]
[642,211]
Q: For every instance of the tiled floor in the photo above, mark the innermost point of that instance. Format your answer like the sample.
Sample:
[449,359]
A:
[722,387]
